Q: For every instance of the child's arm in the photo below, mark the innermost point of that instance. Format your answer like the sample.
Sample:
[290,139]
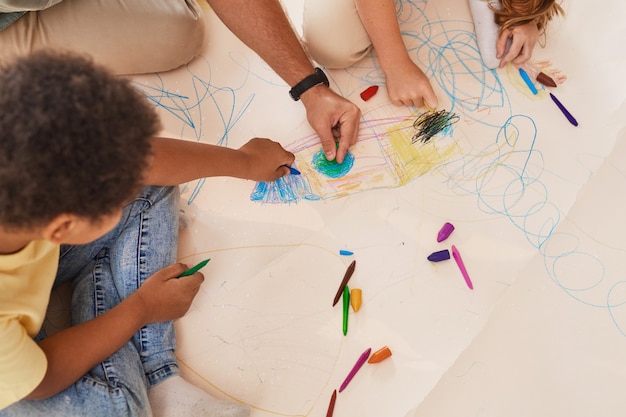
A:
[406,82]
[72,352]
[179,161]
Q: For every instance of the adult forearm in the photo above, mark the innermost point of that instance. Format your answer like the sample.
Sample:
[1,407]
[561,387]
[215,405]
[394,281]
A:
[263,26]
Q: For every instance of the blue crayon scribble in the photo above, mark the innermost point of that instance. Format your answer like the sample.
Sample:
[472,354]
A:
[288,189]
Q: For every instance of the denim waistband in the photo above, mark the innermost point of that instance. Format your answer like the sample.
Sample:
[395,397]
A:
[7,18]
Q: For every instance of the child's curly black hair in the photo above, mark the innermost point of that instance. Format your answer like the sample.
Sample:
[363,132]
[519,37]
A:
[74,139]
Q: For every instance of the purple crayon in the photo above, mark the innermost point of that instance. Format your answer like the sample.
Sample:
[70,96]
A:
[445,231]
[439,256]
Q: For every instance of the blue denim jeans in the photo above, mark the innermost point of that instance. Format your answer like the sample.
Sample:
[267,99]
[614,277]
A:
[103,273]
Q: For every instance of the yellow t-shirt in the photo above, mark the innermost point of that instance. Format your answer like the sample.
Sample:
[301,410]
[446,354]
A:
[26,279]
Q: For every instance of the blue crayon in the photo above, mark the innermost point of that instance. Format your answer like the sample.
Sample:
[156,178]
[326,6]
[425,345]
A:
[528,81]
[345,252]
[294,171]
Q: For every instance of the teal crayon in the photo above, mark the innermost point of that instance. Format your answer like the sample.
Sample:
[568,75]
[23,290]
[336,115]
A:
[527,80]
[194,268]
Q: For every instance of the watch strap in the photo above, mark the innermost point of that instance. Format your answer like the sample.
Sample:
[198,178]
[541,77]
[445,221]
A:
[310,81]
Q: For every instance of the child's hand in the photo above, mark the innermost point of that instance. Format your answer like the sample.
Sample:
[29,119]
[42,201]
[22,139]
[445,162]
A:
[408,85]
[266,160]
[523,40]
[166,297]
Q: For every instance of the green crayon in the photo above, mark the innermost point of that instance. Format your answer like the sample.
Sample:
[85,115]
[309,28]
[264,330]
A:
[346,308]
[194,269]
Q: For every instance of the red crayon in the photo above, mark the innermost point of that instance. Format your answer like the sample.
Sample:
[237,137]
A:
[369,92]
[331,406]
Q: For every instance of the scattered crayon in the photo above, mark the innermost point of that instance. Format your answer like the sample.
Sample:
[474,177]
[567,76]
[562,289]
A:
[344,281]
[442,255]
[355,299]
[459,262]
[545,79]
[527,80]
[359,363]
[194,269]
[369,92]
[445,231]
[331,406]
[346,309]
[380,355]
[344,252]
[564,110]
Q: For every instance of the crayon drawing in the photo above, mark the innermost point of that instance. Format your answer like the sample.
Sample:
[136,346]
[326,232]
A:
[519,182]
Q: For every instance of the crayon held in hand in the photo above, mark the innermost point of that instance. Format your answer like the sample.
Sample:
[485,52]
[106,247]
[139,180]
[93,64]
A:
[194,269]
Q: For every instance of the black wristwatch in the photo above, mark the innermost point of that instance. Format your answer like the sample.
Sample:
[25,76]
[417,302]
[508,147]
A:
[317,78]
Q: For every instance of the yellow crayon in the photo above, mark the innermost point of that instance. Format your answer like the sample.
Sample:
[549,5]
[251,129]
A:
[355,299]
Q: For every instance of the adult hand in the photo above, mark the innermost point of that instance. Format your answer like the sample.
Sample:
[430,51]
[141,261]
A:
[408,85]
[523,40]
[266,160]
[334,119]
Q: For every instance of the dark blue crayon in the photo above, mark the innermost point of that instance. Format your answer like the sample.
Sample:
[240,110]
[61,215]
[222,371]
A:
[294,171]
[439,256]
[564,110]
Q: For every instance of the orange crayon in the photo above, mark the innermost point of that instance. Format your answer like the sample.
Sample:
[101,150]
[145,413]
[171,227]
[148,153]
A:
[380,355]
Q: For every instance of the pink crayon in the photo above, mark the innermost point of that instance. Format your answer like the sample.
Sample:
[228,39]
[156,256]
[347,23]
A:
[459,262]
[364,356]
